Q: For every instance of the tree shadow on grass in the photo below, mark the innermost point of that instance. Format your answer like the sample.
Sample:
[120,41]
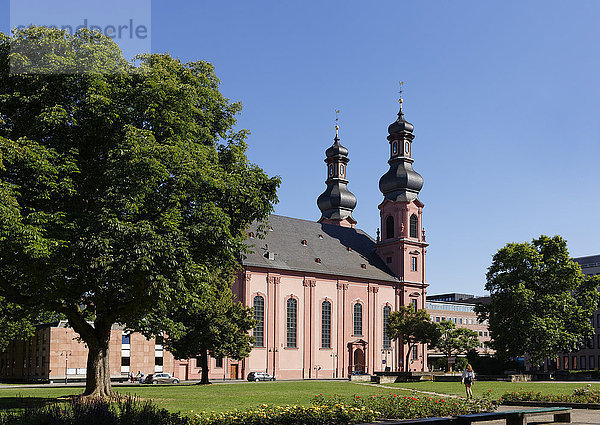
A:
[18,402]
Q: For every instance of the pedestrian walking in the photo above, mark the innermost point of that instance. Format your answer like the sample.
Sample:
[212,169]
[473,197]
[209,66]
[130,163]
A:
[468,378]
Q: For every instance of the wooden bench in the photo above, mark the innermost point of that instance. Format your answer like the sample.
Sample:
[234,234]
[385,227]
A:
[517,417]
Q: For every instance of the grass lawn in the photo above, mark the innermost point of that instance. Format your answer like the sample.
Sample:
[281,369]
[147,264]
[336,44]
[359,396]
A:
[217,397]
[222,397]
[497,388]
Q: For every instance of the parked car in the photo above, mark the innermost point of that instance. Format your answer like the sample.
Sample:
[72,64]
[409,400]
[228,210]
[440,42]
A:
[160,378]
[260,376]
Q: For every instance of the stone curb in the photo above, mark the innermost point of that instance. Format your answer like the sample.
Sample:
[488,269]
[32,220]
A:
[590,406]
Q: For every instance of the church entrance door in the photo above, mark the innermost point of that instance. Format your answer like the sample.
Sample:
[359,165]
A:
[233,371]
[359,360]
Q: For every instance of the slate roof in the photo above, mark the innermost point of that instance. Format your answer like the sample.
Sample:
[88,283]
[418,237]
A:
[327,242]
[589,261]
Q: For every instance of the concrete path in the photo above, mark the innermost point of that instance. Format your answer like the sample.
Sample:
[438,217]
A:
[412,390]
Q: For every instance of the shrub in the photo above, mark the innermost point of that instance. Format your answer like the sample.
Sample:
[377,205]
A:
[126,411]
[323,411]
[290,415]
[580,395]
[393,406]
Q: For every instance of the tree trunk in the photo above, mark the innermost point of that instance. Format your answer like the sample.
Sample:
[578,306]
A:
[97,382]
[204,365]
[97,338]
[406,369]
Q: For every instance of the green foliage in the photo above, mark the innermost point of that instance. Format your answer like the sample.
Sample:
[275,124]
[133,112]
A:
[213,322]
[14,324]
[129,410]
[18,323]
[289,415]
[490,365]
[40,50]
[586,395]
[324,410]
[397,406]
[459,364]
[413,326]
[120,192]
[541,302]
[455,340]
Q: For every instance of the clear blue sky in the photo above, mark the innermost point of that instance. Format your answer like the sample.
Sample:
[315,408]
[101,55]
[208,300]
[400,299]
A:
[504,97]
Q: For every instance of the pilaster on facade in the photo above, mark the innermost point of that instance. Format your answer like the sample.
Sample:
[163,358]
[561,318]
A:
[309,282]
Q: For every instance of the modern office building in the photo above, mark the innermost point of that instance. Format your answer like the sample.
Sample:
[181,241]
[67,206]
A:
[588,357]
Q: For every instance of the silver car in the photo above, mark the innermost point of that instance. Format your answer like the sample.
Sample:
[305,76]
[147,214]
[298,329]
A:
[161,378]
[260,376]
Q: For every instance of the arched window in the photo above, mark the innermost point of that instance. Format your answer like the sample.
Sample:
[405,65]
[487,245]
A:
[387,343]
[259,316]
[292,320]
[414,226]
[394,148]
[358,319]
[389,227]
[326,324]
[342,170]
[330,170]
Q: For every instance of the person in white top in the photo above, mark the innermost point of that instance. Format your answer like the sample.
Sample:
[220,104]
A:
[468,378]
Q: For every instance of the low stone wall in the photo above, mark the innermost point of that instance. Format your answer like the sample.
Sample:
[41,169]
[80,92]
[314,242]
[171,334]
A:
[392,377]
[360,378]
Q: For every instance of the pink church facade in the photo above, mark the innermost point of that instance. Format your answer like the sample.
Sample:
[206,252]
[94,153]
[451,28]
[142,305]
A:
[349,350]
[322,291]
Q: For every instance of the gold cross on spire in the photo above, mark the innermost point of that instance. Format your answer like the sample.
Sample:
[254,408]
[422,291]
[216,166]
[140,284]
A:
[337,127]
[401,83]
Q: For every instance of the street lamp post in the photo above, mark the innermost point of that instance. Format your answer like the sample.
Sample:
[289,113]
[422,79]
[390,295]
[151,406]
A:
[66,353]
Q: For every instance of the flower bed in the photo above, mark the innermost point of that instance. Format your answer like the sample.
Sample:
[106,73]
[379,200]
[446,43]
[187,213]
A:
[339,410]
[332,410]
[584,395]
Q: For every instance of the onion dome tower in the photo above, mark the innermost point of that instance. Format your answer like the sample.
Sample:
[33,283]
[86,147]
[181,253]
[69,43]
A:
[401,182]
[337,202]
[402,246]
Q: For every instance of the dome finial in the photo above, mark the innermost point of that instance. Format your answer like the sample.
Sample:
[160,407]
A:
[337,127]
[401,83]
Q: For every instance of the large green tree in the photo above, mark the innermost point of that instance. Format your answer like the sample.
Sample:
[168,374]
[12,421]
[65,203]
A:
[121,187]
[541,302]
[454,341]
[412,327]
[213,323]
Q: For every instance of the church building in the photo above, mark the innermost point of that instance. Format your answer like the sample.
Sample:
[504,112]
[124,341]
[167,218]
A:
[322,291]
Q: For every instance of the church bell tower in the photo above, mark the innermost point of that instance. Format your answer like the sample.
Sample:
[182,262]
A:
[337,202]
[402,244]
